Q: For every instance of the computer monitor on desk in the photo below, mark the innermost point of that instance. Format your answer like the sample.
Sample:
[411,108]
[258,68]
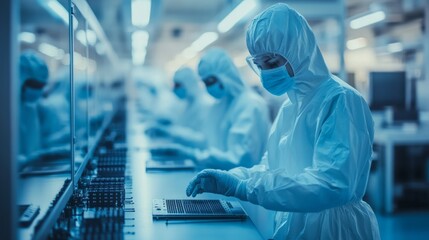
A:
[387,89]
[388,92]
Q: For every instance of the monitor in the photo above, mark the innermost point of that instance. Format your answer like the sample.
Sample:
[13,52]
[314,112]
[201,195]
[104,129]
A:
[387,89]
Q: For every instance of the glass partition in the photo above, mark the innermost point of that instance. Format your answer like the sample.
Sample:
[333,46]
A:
[81,88]
[101,104]
[44,154]
[95,111]
[96,86]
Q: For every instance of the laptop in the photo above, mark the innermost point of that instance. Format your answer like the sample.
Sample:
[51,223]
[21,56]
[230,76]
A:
[197,209]
[161,165]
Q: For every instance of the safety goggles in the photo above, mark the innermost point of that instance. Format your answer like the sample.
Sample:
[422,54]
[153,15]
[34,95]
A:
[210,80]
[33,83]
[177,85]
[268,61]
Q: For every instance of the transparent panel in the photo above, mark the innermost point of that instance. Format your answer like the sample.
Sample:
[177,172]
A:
[81,89]
[96,110]
[44,111]
[105,89]
[96,86]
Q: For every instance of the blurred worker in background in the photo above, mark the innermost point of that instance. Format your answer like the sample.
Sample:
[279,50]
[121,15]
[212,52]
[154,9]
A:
[33,76]
[188,127]
[237,128]
[156,103]
[55,112]
[34,145]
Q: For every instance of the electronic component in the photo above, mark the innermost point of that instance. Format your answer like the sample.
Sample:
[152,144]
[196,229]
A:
[27,213]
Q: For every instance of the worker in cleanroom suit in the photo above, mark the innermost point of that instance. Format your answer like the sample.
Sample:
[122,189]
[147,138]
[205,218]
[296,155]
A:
[187,87]
[33,76]
[54,112]
[191,119]
[237,129]
[319,150]
[34,133]
[239,122]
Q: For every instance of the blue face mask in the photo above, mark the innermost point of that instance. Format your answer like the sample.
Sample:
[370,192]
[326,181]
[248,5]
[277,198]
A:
[277,80]
[180,92]
[216,90]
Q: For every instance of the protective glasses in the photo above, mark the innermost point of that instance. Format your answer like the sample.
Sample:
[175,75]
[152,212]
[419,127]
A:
[268,61]
[210,80]
[177,85]
[33,83]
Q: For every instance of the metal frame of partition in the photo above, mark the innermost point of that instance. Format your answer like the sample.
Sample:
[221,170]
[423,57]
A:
[72,92]
[44,229]
[9,15]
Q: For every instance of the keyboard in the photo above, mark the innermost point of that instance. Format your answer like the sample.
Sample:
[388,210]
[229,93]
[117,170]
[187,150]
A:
[197,209]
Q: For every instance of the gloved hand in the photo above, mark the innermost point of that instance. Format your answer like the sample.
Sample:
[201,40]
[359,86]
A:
[156,131]
[33,156]
[217,181]
[164,121]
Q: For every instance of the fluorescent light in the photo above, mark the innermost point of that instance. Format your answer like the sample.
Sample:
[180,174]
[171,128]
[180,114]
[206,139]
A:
[57,8]
[27,37]
[66,59]
[86,37]
[82,63]
[174,64]
[139,57]
[240,63]
[356,43]
[51,50]
[91,37]
[367,19]
[100,48]
[81,37]
[395,47]
[244,8]
[139,39]
[204,40]
[240,59]
[92,65]
[79,62]
[188,53]
[140,12]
